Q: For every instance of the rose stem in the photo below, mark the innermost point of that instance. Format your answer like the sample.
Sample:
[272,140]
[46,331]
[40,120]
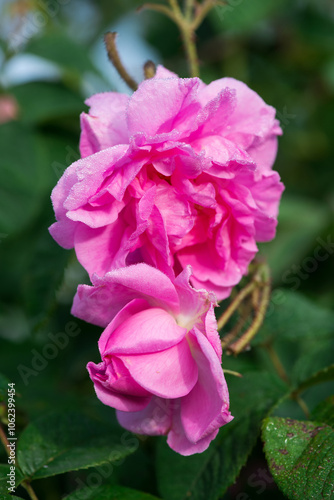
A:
[110,42]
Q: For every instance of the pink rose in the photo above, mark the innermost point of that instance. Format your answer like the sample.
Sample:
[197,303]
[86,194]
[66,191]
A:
[161,355]
[179,173]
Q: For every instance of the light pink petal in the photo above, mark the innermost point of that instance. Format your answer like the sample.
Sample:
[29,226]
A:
[99,304]
[102,249]
[90,172]
[160,106]
[148,331]
[126,313]
[171,373]
[209,398]
[110,397]
[105,125]
[97,216]
[175,210]
[194,304]
[212,332]
[163,72]
[264,152]
[224,154]
[178,441]
[251,117]
[154,420]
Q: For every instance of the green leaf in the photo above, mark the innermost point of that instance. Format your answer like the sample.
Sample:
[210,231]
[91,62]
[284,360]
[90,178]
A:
[109,493]
[302,333]
[300,457]
[9,497]
[58,443]
[43,101]
[324,375]
[4,470]
[62,50]
[324,412]
[292,316]
[4,381]
[209,474]
[23,176]
[300,222]
[238,15]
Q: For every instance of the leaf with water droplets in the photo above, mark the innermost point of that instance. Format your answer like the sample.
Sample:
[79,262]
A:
[300,457]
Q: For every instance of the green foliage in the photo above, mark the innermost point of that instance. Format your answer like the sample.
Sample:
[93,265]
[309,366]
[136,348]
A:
[283,50]
[58,443]
[300,457]
[23,177]
[4,470]
[109,493]
[40,102]
[4,381]
[209,474]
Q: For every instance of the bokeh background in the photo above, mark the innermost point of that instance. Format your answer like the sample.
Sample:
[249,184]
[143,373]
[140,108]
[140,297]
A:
[51,58]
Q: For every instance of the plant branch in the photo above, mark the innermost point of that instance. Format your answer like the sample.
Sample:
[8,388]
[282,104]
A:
[159,8]
[227,339]
[189,6]
[235,304]
[110,42]
[245,339]
[175,7]
[203,10]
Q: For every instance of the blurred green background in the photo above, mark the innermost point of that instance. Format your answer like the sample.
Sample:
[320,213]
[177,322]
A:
[51,59]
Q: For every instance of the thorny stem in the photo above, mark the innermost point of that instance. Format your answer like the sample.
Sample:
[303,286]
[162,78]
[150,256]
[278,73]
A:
[238,327]
[26,485]
[110,41]
[235,304]
[245,339]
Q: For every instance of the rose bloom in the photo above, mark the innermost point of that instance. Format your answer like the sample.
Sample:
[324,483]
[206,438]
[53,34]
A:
[179,173]
[161,355]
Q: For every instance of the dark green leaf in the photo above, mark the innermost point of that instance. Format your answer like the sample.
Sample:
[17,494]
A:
[62,50]
[3,387]
[299,223]
[4,470]
[209,474]
[44,101]
[302,333]
[58,443]
[238,15]
[9,497]
[324,375]
[324,412]
[23,176]
[109,493]
[300,457]
[294,317]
